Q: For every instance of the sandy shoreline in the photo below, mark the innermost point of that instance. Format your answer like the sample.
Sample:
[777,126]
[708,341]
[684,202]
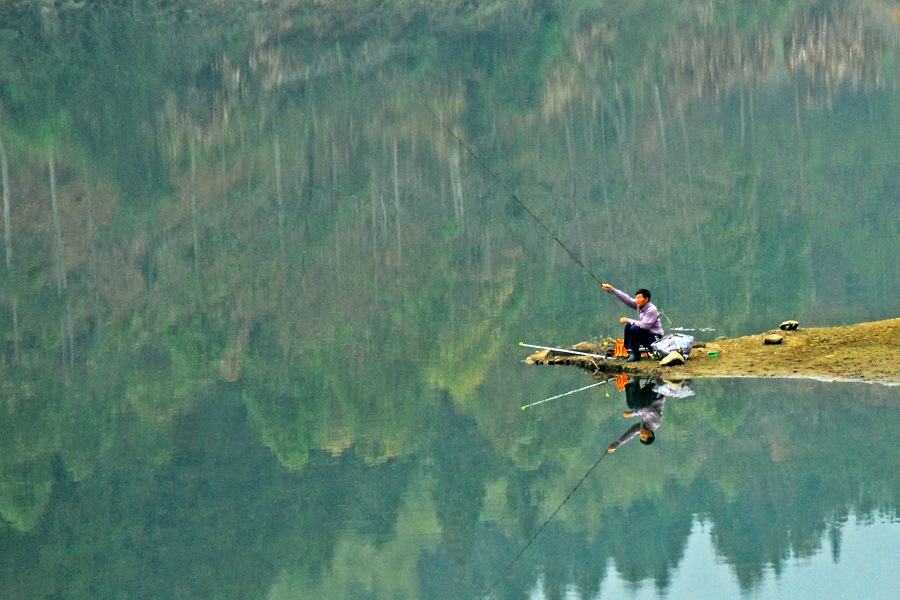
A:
[864,352]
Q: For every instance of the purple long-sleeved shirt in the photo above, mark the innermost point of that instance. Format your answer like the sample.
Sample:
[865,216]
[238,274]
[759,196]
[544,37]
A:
[648,316]
[651,417]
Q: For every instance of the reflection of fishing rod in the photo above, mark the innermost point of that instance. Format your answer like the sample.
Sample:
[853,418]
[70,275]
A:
[545,523]
[587,387]
[524,345]
[509,191]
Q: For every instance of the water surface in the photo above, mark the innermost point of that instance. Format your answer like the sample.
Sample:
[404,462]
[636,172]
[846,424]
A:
[267,266]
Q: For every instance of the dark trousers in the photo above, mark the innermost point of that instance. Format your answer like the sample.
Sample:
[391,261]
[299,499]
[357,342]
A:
[638,396]
[635,337]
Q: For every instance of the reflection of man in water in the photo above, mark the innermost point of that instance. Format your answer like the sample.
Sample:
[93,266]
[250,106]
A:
[645,402]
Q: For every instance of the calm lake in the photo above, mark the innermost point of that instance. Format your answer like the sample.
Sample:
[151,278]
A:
[267,267]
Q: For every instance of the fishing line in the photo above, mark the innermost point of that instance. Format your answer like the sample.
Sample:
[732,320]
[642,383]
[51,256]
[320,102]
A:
[547,522]
[510,192]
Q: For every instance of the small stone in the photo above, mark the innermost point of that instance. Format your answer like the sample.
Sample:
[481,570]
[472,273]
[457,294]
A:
[672,358]
[789,325]
[773,339]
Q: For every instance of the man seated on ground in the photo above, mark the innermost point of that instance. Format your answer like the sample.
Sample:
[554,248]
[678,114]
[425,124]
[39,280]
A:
[644,330]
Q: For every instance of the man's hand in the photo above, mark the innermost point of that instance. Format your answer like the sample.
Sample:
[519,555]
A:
[623,320]
[607,287]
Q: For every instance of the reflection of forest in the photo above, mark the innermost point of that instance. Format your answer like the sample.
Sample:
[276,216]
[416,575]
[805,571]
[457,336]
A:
[273,215]
[835,48]
[446,520]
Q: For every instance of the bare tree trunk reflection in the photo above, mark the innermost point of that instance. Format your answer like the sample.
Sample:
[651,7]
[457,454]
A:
[7,238]
[456,184]
[194,214]
[7,228]
[659,117]
[397,202]
[60,266]
[280,199]
[92,237]
[67,329]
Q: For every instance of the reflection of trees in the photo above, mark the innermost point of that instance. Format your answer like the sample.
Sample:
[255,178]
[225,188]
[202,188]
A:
[24,492]
[757,489]
[834,46]
[778,510]
[651,537]
[713,62]
[219,519]
[461,468]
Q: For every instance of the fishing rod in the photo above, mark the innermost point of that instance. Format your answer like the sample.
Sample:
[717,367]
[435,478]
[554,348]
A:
[587,387]
[545,523]
[510,192]
[524,345]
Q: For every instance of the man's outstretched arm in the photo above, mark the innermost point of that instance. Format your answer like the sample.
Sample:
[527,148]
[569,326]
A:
[625,298]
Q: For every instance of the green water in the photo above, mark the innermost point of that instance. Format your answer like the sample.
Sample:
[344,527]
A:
[267,267]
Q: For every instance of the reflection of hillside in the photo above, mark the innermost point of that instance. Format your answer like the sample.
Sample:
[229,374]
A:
[832,47]
[826,47]
[711,64]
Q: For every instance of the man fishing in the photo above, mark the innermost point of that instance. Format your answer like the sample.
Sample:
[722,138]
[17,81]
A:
[644,330]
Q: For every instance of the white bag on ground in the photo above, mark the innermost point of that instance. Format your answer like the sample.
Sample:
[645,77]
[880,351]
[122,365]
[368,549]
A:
[674,342]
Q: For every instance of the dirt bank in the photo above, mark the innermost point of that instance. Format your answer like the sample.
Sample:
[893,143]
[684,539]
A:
[864,352]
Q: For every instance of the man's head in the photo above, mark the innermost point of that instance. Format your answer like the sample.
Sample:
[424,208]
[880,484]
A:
[642,297]
[647,436]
